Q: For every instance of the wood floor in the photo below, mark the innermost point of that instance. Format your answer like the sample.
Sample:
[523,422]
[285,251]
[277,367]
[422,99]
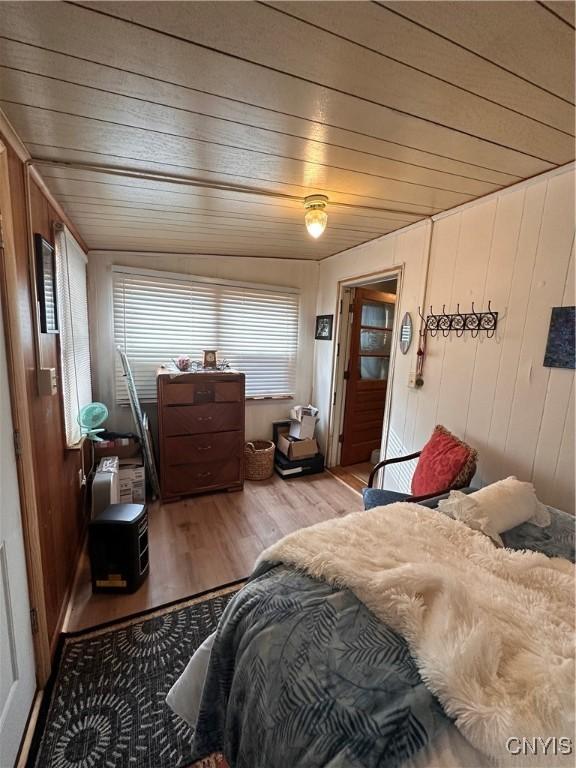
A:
[354,475]
[204,542]
[361,471]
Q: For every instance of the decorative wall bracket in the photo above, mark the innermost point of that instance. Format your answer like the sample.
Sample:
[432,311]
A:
[460,322]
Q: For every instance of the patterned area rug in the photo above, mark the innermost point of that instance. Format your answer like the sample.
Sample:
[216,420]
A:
[108,709]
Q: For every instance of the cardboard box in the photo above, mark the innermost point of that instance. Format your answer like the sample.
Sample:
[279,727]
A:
[131,473]
[125,491]
[297,449]
[304,429]
[132,477]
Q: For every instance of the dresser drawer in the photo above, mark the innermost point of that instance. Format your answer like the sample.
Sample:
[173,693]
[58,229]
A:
[198,419]
[189,478]
[218,446]
[192,393]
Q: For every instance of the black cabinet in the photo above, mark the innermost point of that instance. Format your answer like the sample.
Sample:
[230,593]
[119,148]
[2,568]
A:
[118,547]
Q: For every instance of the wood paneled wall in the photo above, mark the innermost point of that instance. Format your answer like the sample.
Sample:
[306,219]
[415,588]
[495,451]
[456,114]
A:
[515,248]
[59,497]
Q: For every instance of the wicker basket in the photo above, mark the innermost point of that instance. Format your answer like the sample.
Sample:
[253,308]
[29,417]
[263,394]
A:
[259,459]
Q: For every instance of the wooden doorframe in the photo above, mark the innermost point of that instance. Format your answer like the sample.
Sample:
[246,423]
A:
[342,351]
[22,427]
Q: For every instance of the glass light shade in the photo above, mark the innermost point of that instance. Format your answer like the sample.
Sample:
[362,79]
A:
[315,219]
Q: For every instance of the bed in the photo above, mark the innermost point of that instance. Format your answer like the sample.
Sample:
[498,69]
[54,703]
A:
[301,672]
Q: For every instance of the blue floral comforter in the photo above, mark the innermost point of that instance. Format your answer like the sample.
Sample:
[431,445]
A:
[302,674]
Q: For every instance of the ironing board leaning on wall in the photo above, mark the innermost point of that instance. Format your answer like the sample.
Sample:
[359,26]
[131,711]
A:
[141,421]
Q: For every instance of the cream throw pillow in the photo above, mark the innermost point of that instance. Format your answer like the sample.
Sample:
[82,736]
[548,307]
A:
[497,507]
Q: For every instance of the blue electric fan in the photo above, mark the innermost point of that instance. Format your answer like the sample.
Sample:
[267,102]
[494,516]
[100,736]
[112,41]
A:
[90,418]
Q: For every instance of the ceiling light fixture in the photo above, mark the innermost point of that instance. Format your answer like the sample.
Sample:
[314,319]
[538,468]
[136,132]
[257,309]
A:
[315,217]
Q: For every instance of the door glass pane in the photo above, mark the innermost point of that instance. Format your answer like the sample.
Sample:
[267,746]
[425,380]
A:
[377,342]
[377,314]
[375,368]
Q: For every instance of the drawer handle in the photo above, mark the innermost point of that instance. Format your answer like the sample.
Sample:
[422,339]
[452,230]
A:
[204,418]
[204,474]
[203,447]
[204,392]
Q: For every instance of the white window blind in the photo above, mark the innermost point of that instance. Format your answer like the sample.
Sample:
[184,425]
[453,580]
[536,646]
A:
[158,316]
[74,331]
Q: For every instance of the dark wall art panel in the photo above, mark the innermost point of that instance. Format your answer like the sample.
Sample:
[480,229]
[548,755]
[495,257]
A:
[560,349]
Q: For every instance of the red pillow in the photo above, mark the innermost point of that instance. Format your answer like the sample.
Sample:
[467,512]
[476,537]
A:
[445,462]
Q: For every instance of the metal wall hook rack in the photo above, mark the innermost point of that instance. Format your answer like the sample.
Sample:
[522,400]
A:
[459,322]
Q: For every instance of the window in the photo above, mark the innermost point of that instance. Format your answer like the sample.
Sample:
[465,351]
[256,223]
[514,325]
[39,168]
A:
[158,316]
[74,333]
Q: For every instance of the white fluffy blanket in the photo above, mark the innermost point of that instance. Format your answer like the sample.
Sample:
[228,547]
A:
[492,630]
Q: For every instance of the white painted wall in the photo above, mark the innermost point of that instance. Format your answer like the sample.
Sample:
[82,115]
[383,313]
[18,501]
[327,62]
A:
[516,248]
[282,272]
[406,250]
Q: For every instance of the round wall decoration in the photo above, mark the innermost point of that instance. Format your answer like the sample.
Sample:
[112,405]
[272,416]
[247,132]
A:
[406,333]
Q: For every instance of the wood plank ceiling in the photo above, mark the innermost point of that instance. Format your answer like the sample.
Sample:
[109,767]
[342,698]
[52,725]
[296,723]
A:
[199,127]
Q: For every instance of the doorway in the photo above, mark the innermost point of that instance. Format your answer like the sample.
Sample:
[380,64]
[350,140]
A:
[363,372]
[17,663]
[25,659]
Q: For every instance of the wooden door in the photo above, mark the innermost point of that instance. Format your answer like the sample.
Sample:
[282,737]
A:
[367,374]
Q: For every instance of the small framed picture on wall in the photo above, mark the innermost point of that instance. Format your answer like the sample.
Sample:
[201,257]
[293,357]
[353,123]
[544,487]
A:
[324,327]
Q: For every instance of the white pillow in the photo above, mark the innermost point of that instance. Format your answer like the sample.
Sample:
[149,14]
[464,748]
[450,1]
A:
[497,507]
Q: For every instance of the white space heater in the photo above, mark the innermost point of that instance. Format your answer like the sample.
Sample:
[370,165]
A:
[106,485]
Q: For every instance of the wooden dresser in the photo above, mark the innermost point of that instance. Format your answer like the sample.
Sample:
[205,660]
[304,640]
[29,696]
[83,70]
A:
[201,432]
